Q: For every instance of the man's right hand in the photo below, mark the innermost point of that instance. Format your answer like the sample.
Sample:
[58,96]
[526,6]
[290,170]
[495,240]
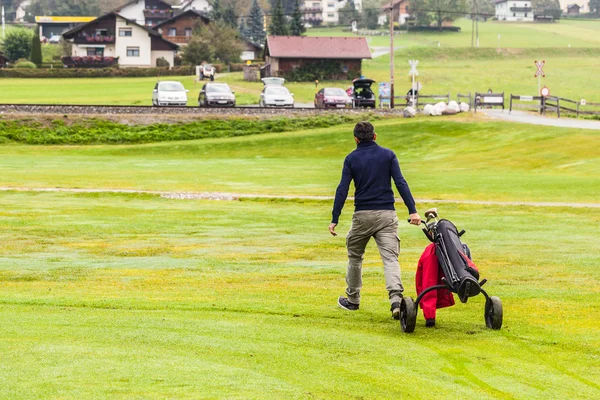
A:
[332,229]
[415,219]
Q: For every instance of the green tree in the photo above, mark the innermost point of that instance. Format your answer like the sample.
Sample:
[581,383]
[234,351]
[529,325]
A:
[371,18]
[278,25]
[64,7]
[36,49]
[256,24]
[216,41]
[216,13]
[595,7]
[17,44]
[418,11]
[297,27]
[243,29]
[446,10]
[229,16]
[349,13]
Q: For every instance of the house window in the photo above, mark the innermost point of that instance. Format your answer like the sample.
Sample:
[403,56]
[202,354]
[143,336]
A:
[525,15]
[172,32]
[331,5]
[331,15]
[91,52]
[514,14]
[124,32]
[133,52]
[188,32]
[101,32]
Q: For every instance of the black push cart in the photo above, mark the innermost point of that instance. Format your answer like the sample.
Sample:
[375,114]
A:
[459,275]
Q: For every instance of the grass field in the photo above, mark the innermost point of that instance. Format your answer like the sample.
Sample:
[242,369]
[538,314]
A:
[512,35]
[137,296]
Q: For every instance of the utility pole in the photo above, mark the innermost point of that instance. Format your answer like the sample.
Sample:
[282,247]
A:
[477,23]
[3,22]
[472,28]
[391,56]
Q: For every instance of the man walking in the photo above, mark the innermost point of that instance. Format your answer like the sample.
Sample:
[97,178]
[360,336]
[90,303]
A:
[372,168]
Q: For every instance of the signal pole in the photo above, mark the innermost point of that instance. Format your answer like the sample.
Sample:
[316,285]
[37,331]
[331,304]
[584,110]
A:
[391,56]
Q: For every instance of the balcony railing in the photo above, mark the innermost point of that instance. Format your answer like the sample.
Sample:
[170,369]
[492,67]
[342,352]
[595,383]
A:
[101,39]
[313,9]
[157,14]
[89,62]
[521,9]
[178,39]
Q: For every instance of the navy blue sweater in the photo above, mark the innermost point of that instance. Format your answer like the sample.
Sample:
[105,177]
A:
[372,168]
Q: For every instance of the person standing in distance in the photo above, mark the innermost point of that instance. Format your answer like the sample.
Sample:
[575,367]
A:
[372,169]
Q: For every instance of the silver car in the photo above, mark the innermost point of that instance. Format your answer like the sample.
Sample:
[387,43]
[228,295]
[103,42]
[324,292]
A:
[275,94]
[169,93]
[216,95]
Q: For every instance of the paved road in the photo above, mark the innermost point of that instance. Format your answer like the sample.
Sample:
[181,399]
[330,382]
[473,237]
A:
[237,196]
[527,118]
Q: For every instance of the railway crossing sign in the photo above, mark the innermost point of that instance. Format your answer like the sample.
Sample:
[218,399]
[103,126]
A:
[583,102]
[545,92]
[413,67]
[540,69]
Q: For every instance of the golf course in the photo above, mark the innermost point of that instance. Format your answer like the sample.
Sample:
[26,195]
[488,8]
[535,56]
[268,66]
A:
[140,296]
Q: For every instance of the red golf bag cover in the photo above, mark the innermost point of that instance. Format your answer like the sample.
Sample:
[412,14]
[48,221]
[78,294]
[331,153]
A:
[430,274]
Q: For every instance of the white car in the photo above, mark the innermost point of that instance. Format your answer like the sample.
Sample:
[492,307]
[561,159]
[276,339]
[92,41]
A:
[169,93]
[275,94]
[55,39]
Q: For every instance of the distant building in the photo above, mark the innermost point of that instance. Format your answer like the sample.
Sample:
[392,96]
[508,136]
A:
[284,54]
[312,12]
[21,11]
[399,12]
[57,25]
[566,4]
[113,39]
[331,9]
[514,10]
[155,12]
[573,9]
[179,28]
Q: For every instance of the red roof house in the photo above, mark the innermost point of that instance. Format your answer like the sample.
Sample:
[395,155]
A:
[340,57]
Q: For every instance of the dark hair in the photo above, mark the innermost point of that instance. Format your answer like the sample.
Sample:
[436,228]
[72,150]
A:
[364,131]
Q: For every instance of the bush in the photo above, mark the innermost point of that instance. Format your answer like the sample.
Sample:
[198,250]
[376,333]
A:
[36,50]
[25,64]
[96,72]
[162,62]
[321,70]
[17,44]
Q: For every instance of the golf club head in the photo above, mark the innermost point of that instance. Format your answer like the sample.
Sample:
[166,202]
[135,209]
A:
[431,213]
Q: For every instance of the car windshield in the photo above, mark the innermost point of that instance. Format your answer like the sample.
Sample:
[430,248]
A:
[217,89]
[334,92]
[171,87]
[277,91]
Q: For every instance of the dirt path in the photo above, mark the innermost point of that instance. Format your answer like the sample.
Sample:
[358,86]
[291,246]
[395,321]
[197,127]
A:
[527,118]
[238,196]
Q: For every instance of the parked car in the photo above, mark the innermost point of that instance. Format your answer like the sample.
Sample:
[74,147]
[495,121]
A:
[275,94]
[207,71]
[362,95]
[55,39]
[216,95]
[169,93]
[332,97]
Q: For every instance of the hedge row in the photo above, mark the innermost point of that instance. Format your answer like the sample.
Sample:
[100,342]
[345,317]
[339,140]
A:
[94,131]
[96,73]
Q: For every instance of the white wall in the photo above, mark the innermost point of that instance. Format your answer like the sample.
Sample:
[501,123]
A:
[20,12]
[135,12]
[81,50]
[168,55]
[199,5]
[503,12]
[139,38]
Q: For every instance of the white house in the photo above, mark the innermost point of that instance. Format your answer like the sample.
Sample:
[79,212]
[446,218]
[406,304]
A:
[21,11]
[331,9]
[153,12]
[113,39]
[514,10]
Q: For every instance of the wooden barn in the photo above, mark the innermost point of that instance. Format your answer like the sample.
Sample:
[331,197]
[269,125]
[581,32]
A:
[340,58]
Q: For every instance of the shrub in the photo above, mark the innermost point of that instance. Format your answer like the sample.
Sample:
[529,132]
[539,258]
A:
[17,44]
[36,49]
[162,62]
[25,65]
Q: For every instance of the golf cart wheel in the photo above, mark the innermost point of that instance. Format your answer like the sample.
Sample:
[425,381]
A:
[408,315]
[493,313]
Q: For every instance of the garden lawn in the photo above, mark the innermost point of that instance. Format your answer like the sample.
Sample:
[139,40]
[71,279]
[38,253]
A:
[445,158]
[108,296]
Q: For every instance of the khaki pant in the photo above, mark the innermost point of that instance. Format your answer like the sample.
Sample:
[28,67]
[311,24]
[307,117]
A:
[382,225]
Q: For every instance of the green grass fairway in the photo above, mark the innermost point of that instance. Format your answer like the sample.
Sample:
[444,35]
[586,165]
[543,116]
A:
[512,35]
[445,158]
[135,296]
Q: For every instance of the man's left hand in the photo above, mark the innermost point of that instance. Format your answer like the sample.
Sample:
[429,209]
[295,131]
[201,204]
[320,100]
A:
[332,229]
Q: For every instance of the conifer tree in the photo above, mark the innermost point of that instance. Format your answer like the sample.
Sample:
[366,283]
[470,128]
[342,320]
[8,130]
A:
[256,24]
[278,25]
[297,27]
